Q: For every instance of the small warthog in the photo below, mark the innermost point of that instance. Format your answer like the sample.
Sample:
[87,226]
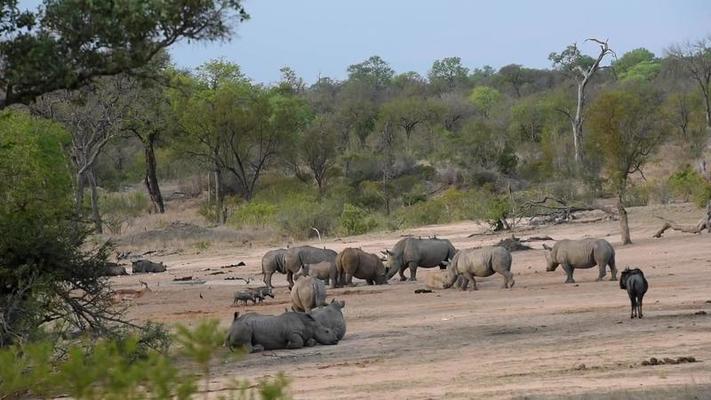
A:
[262,292]
[636,285]
[247,295]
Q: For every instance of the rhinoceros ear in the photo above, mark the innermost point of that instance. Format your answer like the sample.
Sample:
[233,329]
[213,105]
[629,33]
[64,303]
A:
[447,262]
[341,303]
[333,300]
[236,315]
[546,247]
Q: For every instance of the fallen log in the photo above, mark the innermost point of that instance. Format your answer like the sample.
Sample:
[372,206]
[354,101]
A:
[695,229]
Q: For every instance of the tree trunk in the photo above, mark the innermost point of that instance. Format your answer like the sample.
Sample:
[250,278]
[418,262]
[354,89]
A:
[219,212]
[624,225]
[151,179]
[578,124]
[96,216]
[79,194]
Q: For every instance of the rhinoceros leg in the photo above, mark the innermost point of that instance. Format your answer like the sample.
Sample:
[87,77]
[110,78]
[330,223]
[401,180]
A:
[268,279]
[470,278]
[413,272]
[569,273]
[402,273]
[290,278]
[508,279]
[311,342]
[295,341]
[603,272]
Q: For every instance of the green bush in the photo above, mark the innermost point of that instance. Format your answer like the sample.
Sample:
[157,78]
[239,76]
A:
[355,220]
[120,208]
[300,214]
[110,369]
[690,185]
[255,213]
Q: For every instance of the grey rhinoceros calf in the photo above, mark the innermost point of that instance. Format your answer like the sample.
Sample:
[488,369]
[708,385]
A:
[331,316]
[324,270]
[291,330]
[143,266]
[273,261]
[414,252]
[479,262]
[352,262]
[297,257]
[308,293]
[583,253]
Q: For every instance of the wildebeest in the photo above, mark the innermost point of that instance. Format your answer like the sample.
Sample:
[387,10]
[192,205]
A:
[583,253]
[297,257]
[273,261]
[636,285]
[141,266]
[352,262]
[479,262]
[414,252]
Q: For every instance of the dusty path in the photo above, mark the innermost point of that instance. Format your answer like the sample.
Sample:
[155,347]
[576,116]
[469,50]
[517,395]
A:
[541,338]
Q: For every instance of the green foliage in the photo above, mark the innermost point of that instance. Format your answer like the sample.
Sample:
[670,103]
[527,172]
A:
[355,220]
[120,208]
[254,213]
[637,64]
[485,98]
[121,36]
[448,73]
[688,184]
[109,369]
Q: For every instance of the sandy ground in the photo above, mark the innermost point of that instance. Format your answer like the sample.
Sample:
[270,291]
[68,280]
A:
[542,338]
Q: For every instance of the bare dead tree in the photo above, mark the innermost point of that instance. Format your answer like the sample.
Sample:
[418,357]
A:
[93,116]
[695,58]
[704,223]
[582,70]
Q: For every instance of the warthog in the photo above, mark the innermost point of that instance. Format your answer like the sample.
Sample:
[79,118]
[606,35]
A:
[262,292]
[636,285]
[297,257]
[352,262]
[583,253]
[273,261]
[247,295]
[479,262]
[143,266]
[308,293]
[414,252]
[291,330]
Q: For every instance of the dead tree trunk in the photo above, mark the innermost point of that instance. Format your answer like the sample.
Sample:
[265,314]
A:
[704,223]
[151,179]
[96,215]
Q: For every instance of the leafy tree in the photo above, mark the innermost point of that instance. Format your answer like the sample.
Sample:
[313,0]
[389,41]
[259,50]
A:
[626,126]
[485,98]
[515,76]
[447,74]
[46,275]
[582,68]
[407,113]
[686,115]
[637,64]
[317,150]
[67,43]
[374,71]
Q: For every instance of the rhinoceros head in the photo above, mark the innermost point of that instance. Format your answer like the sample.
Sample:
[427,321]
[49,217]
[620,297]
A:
[551,265]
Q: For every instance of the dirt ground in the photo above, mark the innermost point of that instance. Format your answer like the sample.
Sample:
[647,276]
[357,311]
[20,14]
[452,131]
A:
[541,339]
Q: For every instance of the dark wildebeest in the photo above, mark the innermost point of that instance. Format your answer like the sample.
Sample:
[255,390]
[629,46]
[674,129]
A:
[636,285]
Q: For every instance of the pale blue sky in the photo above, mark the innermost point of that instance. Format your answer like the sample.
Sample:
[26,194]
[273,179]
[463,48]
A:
[325,36]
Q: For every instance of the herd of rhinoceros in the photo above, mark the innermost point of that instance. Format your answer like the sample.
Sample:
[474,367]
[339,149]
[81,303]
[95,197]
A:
[309,269]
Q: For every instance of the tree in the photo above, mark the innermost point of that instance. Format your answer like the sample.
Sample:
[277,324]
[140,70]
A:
[515,76]
[695,58]
[572,62]
[626,126]
[45,274]
[94,116]
[485,98]
[317,150]
[637,64]
[55,48]
[406,113]
[447,74]
[374,71]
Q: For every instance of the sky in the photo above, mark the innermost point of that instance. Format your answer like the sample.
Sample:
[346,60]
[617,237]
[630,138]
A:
[323,37]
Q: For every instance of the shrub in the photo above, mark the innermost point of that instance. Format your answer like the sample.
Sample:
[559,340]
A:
[355,220]
[255,213]
[690,185]
[120,208]
[302,213]
[111,369]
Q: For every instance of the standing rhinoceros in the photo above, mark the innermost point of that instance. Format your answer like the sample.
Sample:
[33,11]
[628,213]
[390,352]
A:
[308,293]
[479,262]
[297,257]
[583,253]
[331,317]
[324,270]
[273,261]
[414,252]
[357,263]
[290,330]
